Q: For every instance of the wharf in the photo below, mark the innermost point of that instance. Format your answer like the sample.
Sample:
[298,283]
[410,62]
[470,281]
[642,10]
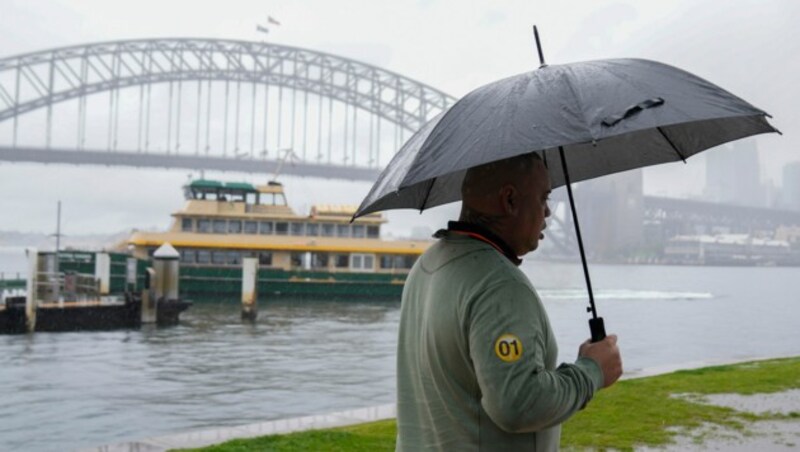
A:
[86,291]
[86,315]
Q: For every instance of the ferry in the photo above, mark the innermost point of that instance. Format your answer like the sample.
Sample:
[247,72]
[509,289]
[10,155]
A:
[319,255]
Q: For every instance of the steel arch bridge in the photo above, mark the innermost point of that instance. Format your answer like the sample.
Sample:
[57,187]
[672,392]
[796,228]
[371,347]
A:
[201,103]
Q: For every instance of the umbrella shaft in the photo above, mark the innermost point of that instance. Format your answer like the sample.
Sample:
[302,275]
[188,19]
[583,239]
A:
[578,232]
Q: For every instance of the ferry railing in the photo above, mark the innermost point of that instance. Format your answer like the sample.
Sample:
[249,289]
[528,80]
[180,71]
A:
[3,277]
[63,287]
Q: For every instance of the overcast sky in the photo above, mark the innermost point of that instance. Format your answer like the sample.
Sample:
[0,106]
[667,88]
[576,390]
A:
[747,47]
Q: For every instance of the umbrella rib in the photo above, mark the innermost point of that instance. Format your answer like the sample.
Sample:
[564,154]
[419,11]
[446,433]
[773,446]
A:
[427,195]
[578,103]
[675,148]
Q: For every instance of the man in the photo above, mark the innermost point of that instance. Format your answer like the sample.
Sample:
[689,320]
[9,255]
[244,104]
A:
[476,364]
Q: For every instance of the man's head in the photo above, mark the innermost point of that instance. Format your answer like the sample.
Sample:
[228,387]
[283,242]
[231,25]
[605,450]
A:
[510,198]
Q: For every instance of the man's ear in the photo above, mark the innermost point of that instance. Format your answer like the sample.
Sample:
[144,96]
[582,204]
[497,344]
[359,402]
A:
[509,199]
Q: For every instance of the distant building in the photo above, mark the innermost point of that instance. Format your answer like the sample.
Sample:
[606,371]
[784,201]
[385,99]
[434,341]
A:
[790,234]
[791,186]
[611,213]
[729,249]
[733,175]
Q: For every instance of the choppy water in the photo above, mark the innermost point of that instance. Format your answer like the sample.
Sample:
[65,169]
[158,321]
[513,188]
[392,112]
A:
[63,391]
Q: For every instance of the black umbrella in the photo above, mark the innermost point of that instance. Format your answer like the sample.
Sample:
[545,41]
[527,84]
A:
[585,119]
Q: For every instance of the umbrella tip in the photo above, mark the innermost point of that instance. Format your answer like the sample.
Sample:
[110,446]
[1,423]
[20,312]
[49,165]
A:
[539,47]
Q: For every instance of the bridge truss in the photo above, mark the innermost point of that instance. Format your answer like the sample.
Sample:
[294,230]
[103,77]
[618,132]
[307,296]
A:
[208,104]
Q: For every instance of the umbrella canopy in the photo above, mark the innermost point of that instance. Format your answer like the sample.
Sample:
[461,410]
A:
[584,119]
[607,116]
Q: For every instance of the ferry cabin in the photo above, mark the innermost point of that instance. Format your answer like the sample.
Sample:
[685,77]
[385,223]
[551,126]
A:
[222,223]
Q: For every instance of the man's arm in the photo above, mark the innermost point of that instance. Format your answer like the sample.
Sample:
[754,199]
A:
[509,338]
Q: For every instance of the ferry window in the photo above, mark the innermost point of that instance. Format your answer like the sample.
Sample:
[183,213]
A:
[219,226]
[373,232]
[281,228]
[319,260]
[218,257]
[234,258]
[297,259]
[234,226]
[342,261]
[188,256]
[204,225]
[312,229]
[328,229]
[187,225]
[298,228]
[389,261]
[405,261]
[342,230]
[265,258]
[362,261]
[265,227]
[250,227]
[359,231]
[204,257]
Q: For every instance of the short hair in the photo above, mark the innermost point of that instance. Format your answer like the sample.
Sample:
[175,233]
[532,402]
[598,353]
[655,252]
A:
[485,178]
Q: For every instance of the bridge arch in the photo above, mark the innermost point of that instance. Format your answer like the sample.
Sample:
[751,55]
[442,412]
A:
[82,70]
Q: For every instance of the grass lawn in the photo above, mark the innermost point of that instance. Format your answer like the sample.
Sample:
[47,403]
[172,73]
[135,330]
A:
[631,413]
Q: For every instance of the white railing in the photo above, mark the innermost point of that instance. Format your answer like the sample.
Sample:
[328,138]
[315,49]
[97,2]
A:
[61,286]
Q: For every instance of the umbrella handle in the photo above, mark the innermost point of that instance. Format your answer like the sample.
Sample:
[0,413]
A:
[597,328]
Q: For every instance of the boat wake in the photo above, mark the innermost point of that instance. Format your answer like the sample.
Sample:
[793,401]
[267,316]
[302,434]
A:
[622,294]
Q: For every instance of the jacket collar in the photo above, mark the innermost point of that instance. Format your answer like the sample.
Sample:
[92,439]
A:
[481,233]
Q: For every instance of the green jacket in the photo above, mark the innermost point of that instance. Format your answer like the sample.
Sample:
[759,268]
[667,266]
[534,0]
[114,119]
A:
[476,361]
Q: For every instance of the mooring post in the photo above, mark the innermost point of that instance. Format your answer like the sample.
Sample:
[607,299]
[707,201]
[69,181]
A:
[166,265]
[102,273]
[31,299]
[249,288]
[149,297]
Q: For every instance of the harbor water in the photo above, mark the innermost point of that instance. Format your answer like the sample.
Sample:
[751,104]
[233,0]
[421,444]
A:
[66,391]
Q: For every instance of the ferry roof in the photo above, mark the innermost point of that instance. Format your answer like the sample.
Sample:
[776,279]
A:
[243,186]
[213,185]
[205,183]
[280,243]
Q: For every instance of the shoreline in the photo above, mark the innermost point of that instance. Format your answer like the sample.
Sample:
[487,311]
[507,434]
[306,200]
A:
[208,437]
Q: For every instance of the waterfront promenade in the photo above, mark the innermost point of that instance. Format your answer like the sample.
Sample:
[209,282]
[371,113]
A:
[762,435]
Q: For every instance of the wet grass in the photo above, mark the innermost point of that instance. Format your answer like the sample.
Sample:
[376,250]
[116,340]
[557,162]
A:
[632,413]
[374,436]
[646,412]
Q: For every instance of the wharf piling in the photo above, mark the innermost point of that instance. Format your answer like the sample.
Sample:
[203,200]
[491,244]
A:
[249,289]
[31,300]
[166,265]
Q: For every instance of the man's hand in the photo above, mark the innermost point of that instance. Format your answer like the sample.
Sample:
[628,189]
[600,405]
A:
[606,354]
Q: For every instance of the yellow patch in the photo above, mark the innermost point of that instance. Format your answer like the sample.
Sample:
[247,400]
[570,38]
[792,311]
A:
[508,348]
